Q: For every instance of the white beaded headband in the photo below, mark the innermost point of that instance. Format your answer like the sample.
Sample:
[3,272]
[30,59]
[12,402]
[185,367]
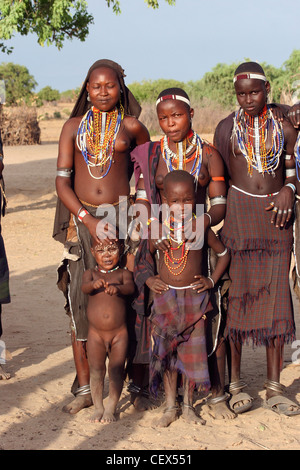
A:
[242,76]
[173,97]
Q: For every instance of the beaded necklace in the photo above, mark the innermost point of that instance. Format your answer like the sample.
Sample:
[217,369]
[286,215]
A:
[176,265]
[251,134]
[178,160]
[106,272]
[297,156]
[96,138]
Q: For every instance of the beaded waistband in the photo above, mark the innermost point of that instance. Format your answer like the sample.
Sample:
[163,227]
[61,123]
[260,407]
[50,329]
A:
[253,195]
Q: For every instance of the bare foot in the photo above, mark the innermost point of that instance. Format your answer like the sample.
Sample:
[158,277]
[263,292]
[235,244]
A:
[108,417]
[189,414]
[218,408]
[170,415]
[96,416]
[221,411]
[3,374]
[80,402]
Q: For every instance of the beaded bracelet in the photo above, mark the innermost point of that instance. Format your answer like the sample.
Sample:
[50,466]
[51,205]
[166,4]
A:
[82,214]
[292,186]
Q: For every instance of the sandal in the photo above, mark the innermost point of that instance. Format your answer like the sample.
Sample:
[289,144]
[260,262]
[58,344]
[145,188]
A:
[239,397]
[279,403]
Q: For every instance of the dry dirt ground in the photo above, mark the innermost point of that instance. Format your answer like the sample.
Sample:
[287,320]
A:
[37,336]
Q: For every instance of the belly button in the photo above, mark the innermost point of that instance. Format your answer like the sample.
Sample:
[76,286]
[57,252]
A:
[99,191]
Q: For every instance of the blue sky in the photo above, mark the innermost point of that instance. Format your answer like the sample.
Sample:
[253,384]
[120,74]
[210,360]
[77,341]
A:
[181,42]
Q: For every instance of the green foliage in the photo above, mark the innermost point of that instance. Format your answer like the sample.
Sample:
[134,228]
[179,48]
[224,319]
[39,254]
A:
[116,4]
[48,94]
[19,84]
[70,95]
[52,21]
[148,90]
[217,86]
[288,81]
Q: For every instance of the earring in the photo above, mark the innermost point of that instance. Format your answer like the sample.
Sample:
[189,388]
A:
[88,97]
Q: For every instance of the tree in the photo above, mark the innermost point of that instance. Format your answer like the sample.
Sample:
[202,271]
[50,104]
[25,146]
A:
[51,20]
[19,84]
[48,94]
[148,90]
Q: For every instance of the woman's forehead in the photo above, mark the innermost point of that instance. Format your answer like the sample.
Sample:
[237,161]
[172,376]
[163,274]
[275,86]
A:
[172,105]
[105,73]
[249,84]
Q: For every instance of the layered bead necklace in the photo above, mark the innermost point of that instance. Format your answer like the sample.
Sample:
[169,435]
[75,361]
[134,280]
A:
[175,265]
[251,135]
[96,138]
[178,160]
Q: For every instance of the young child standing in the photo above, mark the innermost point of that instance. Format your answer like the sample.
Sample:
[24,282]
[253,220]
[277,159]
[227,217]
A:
[181,299]
[107,285]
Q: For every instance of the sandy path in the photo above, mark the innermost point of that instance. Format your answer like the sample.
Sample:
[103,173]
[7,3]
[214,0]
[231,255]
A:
[36,333]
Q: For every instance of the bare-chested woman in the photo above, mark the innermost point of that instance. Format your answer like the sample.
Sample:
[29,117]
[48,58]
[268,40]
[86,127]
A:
[181,148]
[93,170]
[259,154]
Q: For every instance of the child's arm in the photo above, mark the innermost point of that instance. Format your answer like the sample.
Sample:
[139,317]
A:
[89,284]
[205,283]
[127,288]
[154,282]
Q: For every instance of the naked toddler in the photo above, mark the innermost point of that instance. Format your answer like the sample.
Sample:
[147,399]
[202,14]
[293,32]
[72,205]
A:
[107,285]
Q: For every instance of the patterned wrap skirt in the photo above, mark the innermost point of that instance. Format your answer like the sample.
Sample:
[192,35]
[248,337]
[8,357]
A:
[259,304]
[178,337]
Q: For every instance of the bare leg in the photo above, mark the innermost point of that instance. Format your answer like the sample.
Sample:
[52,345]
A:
[170,413]
[240,401]
[117,357]
[97,357]
[139,375]
[188,411]
[218,407]
[83,376]
[274,357]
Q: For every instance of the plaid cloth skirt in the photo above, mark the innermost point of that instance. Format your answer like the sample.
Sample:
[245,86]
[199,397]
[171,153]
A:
[259,303]
[296,269]
[178,337]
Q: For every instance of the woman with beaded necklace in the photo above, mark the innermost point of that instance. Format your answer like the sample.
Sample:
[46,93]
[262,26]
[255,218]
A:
[93,170]
[259,155]
[180,148]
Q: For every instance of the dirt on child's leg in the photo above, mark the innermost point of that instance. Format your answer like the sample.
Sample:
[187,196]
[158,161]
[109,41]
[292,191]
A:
[116,369]
[97,362]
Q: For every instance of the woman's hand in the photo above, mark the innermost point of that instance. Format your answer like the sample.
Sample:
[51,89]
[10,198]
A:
[282,207]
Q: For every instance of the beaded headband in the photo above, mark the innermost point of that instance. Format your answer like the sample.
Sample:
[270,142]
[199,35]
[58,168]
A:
[173,97]
[243,76]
